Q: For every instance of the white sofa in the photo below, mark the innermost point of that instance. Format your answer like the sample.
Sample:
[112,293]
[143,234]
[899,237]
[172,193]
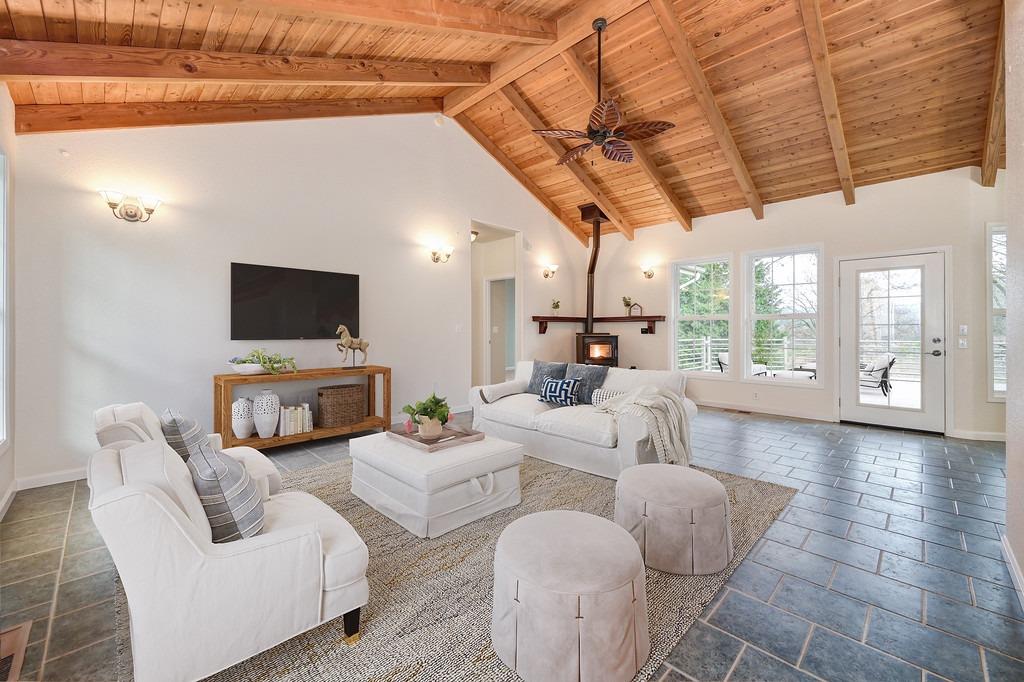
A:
[138,423]
[581,437]
[198,607]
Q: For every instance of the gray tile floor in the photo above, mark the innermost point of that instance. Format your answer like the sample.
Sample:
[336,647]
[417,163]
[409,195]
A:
[885,566]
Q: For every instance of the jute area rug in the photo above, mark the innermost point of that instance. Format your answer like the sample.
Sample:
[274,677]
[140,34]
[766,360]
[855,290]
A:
[430,600]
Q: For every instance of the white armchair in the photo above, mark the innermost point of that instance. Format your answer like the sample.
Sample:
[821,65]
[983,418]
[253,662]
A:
[197,607]
[137,423]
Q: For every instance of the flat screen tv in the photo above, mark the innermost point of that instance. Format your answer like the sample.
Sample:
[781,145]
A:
[285,303]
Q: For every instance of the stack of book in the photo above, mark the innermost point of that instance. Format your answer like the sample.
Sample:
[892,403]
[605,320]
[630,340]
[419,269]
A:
[295,419]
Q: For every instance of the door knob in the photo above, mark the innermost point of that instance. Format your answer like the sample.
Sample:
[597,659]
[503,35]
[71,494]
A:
[936,353]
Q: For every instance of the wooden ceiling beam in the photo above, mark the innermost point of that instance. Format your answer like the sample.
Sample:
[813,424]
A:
[687,60]
[529,185]
[995,122]
[29,60]
[594,193]
[439,15]
[814,29]
[571,29]
[588,79]
[48,118]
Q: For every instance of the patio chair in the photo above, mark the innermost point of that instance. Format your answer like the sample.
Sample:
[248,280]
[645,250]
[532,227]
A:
[876,374]
[755,368]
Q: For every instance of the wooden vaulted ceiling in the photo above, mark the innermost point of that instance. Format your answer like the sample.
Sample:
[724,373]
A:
[772,99]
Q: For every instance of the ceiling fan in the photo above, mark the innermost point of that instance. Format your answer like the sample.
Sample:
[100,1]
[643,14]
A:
[605,129]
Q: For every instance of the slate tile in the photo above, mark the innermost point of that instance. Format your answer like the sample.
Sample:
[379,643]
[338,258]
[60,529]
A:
[787,533]
[755,579]
[979,512]
[83,542]
[822,606]
[993,570]
[997,598]
[96,663]
[832,657]
[755,666]
[808,501]
[1003,669]
[294,459]
[887,540]
[878,590]
[830,493]
[920,477]
[80,628]
[22,595]
[996,502]
[41,524]
[978,625]
[842,550]
[930,501]
[981,488]
[795,562]
[884,469]
[965,523]
[23,508]
[817,521]
[86,591]
[16,570]
[762,625]
[705,653]
[667,674]
[951,494]
[86,563]
[944,654]
[887,506]
[38,615]
[926,576]
[925,531]
[869,487]
[854,513]
[893,482]
[783,480]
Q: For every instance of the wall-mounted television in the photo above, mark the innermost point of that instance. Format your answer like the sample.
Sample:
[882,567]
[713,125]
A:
[286,303]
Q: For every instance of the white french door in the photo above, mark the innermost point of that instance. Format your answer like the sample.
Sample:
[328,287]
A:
[892,341]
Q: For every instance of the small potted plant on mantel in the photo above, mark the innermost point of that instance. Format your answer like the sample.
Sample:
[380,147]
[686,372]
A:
[556,305]
[431,415]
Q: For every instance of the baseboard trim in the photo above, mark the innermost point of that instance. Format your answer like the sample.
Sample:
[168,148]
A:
[1015,572]
[5,501]
[760,409]
[999,436]
[40,480]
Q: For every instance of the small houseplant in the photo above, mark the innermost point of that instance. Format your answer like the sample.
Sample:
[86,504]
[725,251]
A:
[259,361]
[627,303]
[431,415]
[556,305]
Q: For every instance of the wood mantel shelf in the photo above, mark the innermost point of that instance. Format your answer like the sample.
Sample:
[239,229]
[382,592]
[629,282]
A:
[647,320]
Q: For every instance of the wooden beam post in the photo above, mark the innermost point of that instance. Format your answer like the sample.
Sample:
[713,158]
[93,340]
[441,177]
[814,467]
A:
[594,193]
[52,61]
[588,79]
[687,60]
[48,118]
[995,123]
[571,29]
[814,29]
[441,15]
[502,158]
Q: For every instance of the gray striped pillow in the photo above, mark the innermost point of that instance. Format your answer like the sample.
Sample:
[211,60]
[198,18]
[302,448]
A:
[603,395]
[182,433]
[230,498]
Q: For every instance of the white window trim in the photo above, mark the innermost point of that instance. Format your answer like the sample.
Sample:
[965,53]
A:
[675,318]
[993,396]
[747,322]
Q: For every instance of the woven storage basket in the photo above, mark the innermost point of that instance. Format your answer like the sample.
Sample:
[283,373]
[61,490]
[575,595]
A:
[341,405]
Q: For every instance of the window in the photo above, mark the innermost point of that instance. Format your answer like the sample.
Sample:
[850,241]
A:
[702,315]
[997,313]
[783,334]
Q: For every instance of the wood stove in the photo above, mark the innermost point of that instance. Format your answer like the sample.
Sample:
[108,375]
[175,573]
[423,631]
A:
[597,349]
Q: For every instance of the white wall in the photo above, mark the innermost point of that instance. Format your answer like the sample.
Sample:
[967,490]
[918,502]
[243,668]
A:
[7,456]
[115,312]
[944,209]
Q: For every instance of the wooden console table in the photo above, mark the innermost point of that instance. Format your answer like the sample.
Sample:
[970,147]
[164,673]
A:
[223,396]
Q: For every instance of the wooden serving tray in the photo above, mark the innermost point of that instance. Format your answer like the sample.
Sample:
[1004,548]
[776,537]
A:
[454,436]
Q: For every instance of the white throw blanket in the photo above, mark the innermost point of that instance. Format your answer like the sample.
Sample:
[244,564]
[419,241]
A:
[663,412]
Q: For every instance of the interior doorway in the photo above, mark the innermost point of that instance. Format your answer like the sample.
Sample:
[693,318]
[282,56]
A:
[893,341]
[496,303]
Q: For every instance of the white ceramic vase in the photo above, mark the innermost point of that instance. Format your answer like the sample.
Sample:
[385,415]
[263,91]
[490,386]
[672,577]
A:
[266,411]
[430,428]
[242,422]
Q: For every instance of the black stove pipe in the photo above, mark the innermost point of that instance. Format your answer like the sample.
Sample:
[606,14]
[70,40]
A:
[595,249]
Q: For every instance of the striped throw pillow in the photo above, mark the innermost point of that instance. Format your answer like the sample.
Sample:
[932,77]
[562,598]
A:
[603,395]
[182,433]
[564,392]
[229,496]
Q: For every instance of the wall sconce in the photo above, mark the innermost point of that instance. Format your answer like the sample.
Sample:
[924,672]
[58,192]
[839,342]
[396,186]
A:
[132,209]
[647,271]
[473,234]
[550,271]
[441,254]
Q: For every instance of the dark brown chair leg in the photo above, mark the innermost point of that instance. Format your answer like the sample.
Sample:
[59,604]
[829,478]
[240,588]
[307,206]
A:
[351,626]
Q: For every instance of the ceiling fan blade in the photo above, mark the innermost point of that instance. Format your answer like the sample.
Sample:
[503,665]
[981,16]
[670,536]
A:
[605,115]
[617,150]
[561,132]
[641,130]
[575,153]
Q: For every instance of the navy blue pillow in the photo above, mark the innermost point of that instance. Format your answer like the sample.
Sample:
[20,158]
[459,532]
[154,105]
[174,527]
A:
[564,392]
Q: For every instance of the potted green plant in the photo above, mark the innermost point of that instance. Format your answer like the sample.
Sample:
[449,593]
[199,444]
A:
[431,415]
[556,305]
[259,361]
[627,303]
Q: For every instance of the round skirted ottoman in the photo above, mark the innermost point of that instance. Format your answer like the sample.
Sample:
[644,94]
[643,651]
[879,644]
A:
[678,516]
[570,599]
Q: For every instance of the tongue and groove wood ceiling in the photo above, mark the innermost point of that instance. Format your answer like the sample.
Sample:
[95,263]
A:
[772,99]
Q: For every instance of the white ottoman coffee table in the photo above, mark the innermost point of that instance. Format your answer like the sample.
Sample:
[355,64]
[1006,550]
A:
[570,599]
[431,493]
[679,517]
